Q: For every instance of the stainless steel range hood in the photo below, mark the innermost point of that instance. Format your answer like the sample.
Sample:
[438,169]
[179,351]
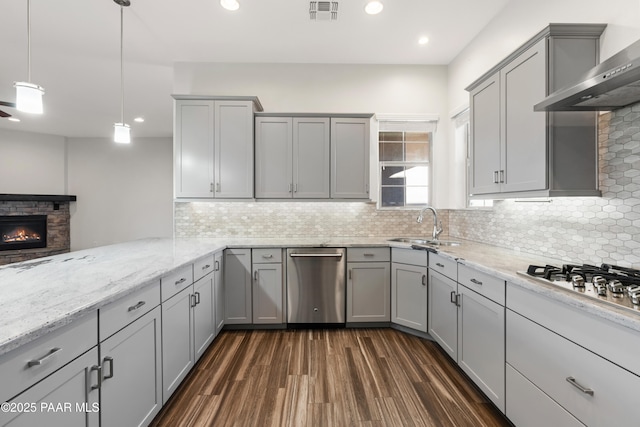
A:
[614,83]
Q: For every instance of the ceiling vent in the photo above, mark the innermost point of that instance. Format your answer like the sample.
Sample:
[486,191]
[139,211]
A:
[323,10]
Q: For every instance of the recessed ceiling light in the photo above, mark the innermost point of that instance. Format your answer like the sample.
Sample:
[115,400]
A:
[230,4]
[423,40]
[139,119]
[374,7]
[14,119]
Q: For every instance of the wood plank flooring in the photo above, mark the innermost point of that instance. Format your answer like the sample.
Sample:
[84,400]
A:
[335,377]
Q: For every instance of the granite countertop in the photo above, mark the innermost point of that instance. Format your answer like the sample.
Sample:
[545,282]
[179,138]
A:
[42,295]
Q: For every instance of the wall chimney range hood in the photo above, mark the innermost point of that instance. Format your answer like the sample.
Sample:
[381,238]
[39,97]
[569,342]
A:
[612,84]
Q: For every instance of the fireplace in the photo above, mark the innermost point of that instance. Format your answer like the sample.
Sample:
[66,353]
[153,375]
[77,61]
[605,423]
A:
[23,232]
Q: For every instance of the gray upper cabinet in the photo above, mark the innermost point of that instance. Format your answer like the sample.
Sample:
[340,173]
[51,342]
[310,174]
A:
[516,152]
[350,158]
[292,157]
[213,147]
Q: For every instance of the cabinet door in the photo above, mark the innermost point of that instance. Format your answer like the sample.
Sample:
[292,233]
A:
[219,291]
[274,162]
[204,317]
[350,158]
[524,156]
[481,343]
[131,392]
[237,286]
[267,293]
[233,149]
[65,398]
[443,312]
[193,149]
[311,158]
[485,137]
[368,292]
[177,341]
[409,296]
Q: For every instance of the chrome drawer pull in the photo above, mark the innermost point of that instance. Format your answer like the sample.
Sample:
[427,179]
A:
[137,306]
[582,388]
[206,266]
[368,254]
[476,281]
[44,359]
[217,268]
[453,297]
[197,298]
[440,265]
[267,256]
[109,360]
[99,370]
[181,281]
[424,280]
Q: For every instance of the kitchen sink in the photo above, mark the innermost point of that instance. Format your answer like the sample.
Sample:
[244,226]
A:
[418,241]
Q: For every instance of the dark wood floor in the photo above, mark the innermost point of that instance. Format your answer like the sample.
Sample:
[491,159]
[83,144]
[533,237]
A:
[338,377]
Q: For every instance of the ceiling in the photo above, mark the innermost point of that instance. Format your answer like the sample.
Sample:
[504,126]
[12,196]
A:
[75,49]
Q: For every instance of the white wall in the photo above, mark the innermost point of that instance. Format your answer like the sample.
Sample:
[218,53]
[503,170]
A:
[518,22]
[124,191]
[32,163]
[332,88]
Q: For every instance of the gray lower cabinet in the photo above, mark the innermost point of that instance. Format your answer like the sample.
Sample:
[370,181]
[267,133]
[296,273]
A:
[213,147]
[368,285]
[204,315]
[268,285]
[409,289]
[350,144]
[131,392]
[219,297]
[66,398]
[292,157]
[237,287]
[443,312]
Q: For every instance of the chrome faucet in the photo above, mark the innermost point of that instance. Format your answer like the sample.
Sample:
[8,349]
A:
[437,225]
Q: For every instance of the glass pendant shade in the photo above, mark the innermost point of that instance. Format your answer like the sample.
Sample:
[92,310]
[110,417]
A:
[29,97]
[121,133]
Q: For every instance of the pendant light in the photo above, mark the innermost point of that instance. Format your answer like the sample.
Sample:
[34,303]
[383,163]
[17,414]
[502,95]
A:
[29,95]
[121,130]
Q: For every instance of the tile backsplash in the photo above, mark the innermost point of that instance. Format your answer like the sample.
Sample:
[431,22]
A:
[593,230]
[590,230]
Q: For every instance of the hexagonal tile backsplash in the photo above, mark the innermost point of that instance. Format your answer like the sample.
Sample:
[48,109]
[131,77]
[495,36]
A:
[592,230]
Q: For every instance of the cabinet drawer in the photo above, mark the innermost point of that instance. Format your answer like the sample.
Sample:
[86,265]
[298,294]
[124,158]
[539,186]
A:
[202,267]
[409,256]
[26,365]
[528,406]
[484,284]
[267,255]
[368,254]
[561,368]
[176,281]
[444,265]
[119,314]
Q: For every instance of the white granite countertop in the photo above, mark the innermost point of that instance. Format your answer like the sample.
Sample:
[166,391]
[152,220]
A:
[39,296]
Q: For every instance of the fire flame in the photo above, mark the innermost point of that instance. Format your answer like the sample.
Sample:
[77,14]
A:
[20,235]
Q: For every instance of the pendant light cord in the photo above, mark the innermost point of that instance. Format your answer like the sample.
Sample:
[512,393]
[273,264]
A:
[121,65]
[28,40]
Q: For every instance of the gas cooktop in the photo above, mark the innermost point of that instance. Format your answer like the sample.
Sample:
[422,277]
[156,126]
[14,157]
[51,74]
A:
[615,285]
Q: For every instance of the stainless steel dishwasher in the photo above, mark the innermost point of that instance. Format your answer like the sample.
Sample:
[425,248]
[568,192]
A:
[316,286]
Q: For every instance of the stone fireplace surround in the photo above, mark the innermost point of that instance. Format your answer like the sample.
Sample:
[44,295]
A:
[58,223]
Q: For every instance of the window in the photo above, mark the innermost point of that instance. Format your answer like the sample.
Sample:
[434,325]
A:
[404,152]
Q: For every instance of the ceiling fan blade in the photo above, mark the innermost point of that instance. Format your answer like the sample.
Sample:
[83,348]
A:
[8,104]
[3,114]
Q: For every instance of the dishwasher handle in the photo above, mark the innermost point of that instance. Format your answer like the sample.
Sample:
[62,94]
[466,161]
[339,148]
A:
[315,255]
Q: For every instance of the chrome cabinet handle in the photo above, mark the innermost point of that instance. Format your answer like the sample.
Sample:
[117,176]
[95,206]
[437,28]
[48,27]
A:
[453,297]
[368,254]
[217,187]
[440,265]
[585,390]
[495,177]
[137,306]
[197,298]
[295,188]
[267,256]
[98,369]
[350,275]
[290,187]
[424,280]
[217,266]
[193,300]
[211,188]
[502,176]
[476,281]
[108,360]
[38,362]
[206,266]
[181,281]
[255,275]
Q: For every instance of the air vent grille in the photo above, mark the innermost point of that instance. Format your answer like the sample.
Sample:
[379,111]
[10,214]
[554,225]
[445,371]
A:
[323,10]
